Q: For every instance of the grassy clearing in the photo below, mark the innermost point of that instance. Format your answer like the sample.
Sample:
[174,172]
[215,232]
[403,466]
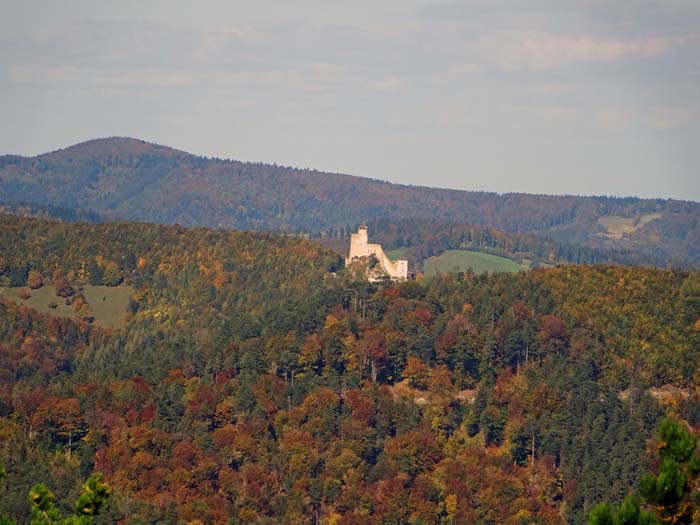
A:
[395,254]
[617,225]
[107,304]
[461,260]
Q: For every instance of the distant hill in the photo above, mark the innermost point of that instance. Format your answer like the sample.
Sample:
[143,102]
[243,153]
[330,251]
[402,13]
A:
[420,239]
[46,211]
[135,180]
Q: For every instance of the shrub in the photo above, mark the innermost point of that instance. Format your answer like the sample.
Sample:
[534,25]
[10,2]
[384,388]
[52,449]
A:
[35,280]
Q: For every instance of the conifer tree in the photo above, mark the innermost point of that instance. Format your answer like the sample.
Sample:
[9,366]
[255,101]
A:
[93,498]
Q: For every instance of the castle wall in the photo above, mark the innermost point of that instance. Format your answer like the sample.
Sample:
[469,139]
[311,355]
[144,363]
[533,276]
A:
[359,247]
[402,269]
[389,266]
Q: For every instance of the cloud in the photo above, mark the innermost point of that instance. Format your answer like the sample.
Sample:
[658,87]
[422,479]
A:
[394,29]
[315,77]
[386,84]
[238,32]
[326,72]
[545,50]
[148,79]
[39,74]
[670,117]
[561,115]
[449,114]
[613,119]
[466,68]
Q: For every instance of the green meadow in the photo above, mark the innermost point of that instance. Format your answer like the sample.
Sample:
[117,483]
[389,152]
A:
[462,260]
[107,304]
[395,254]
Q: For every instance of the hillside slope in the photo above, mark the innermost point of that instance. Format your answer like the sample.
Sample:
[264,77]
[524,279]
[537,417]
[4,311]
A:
[254,381]
[420,239]
[131,179]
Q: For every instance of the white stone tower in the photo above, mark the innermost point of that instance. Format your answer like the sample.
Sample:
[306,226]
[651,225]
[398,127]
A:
[360,247]
[359,243]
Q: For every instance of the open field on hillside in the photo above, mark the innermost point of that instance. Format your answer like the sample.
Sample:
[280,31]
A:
[461,260]
[395,254]
[617,226]
[107,304]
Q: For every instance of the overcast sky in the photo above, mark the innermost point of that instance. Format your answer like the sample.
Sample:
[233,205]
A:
[587,97]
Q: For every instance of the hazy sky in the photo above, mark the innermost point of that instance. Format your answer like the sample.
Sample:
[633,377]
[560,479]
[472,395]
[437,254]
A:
[587,97]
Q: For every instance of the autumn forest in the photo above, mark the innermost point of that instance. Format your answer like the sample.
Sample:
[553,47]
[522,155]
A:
[252,379]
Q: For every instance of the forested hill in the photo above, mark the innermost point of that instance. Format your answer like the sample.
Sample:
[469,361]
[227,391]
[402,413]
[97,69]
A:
[134,180]
[255,381]
[420,239]
[47,211]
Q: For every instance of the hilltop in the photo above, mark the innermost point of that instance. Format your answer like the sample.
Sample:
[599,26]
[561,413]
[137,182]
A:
[134,180]
[111,146]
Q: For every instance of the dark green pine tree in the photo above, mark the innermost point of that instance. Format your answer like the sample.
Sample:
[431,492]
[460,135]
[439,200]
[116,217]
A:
[4,520]
[671,493]
[93,498]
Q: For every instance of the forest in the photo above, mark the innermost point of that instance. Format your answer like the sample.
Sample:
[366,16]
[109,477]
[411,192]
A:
[129,179]
[428,238]
[47,211]
[255,380]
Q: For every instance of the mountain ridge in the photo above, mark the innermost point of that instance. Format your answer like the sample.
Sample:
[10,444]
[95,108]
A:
[131,179]
[153,147]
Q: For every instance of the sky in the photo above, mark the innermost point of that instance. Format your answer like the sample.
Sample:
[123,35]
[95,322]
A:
[591,97]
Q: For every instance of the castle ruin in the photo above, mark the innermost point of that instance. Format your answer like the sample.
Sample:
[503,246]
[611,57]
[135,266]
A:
[360,247]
